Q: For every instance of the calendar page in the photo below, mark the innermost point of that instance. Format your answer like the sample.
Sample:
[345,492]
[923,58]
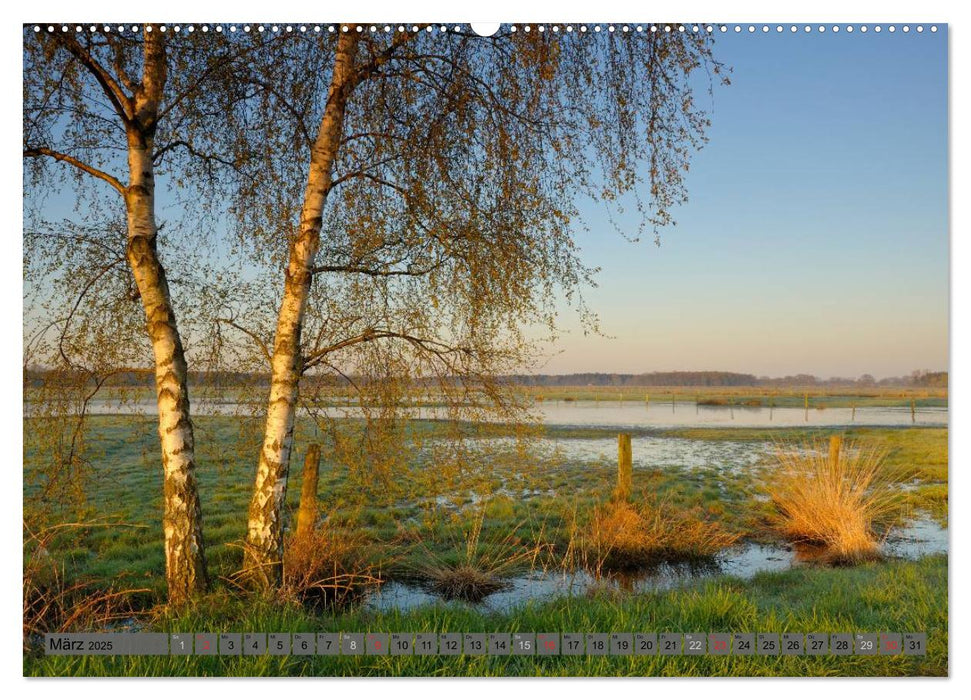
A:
[516,349]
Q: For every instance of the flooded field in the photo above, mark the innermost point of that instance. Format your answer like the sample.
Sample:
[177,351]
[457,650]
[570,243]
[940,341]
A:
[649,451]
[719,476]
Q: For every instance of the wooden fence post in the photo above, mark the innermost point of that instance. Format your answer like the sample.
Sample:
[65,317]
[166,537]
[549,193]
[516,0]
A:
[624,467]
[307,513]
[835,442]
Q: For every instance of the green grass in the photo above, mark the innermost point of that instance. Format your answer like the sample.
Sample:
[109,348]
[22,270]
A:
[548,499]
[895,596]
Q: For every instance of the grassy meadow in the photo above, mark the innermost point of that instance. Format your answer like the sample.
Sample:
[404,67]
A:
[443,520]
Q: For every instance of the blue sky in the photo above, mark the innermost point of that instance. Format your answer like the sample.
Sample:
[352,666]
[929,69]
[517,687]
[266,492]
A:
[816,235]
[815,238]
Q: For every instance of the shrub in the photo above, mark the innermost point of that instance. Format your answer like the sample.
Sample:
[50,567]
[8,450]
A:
[328,566]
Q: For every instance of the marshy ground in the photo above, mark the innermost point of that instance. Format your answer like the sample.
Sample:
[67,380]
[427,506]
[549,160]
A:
[509,534]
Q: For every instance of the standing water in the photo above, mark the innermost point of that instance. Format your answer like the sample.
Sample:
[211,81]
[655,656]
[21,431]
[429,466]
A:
[614,414]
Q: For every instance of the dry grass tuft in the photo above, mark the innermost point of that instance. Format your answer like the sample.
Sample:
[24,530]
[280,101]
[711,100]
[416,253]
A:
[464,582]
[626,537]
[328,567]
[839,504]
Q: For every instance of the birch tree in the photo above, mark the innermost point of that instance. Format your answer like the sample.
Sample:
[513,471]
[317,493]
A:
[109,108]
[443,176]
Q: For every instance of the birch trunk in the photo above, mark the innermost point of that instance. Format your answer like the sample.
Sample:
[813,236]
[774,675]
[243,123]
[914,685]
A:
[263,561]
[185,563]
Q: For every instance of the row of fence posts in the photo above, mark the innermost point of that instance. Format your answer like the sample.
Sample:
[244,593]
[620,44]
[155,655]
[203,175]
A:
[731,406]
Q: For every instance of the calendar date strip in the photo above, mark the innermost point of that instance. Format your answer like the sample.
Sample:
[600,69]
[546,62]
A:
[486,644]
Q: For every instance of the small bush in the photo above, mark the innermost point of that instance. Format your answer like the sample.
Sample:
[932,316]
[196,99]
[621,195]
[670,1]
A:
[837,504]
[626,537]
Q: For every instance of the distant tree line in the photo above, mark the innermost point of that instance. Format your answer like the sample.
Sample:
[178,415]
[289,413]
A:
[725,379]
[214,379]
[707,378]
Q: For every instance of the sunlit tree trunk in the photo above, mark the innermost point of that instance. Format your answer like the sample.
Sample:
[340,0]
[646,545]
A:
[264,550]
[185,564]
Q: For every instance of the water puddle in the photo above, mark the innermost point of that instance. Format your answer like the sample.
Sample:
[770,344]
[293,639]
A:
[919,538]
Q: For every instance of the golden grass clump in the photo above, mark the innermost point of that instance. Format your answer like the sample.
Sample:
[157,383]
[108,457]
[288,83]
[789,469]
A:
[837,499]
[626,537]
[328,566]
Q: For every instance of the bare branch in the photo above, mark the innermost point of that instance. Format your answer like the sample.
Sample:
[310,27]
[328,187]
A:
[375,272]
[119,100]
[79,164]
[435,347]
[372,67]
[84,292]
[160,153]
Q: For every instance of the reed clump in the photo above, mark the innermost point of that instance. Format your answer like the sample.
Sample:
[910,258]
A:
[840,499]
[482,566]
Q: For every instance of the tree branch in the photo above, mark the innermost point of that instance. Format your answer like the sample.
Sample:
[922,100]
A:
[255,338]
[159,153]
[374,272]
[119,100]
[199,82]
[373,178]
[84,292]
[435,347]
[79,164]
[301,124]
[372,67]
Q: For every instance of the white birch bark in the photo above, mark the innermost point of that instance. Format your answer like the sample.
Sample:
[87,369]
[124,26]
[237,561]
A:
[264,540]
[185,564]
